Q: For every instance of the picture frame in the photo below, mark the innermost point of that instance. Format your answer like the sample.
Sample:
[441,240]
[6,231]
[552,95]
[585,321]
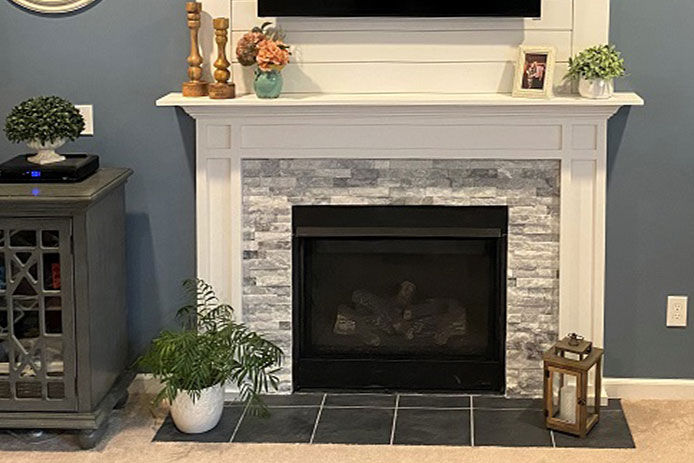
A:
[534,73]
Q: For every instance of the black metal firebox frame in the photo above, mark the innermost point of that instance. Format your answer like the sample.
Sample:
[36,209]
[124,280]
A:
[443,373]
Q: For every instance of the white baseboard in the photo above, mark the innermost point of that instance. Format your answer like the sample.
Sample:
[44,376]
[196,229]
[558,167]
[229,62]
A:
[646,388]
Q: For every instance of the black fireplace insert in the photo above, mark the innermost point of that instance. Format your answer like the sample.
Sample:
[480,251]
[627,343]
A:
[399,297]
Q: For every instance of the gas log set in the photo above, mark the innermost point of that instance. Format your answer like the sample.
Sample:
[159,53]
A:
[371,317]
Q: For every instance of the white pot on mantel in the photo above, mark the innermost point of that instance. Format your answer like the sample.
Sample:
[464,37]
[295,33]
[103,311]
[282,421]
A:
[201,415]
[45,152]
[596,89]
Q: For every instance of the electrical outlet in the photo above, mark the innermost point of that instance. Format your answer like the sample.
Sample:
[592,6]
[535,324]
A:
[677,311]
[88,113]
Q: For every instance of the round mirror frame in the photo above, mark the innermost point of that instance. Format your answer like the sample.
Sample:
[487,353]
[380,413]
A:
[53,6]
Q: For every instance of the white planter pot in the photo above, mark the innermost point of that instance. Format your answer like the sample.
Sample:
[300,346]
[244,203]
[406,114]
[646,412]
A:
[199,416]
[596,89]
[46,152]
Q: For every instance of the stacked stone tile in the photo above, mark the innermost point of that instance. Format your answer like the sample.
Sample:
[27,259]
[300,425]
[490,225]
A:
[530,188]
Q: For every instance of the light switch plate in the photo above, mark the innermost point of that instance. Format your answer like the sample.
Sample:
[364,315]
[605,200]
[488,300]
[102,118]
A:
[677,311]
[88,113]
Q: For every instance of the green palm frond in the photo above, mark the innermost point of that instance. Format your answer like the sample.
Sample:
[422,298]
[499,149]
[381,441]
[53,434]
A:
[211,348]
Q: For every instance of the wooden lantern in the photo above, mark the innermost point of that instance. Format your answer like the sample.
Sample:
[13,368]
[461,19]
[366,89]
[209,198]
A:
[569,368]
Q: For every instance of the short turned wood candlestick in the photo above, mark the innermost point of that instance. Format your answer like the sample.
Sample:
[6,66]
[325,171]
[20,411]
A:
[195,86]
[221,89]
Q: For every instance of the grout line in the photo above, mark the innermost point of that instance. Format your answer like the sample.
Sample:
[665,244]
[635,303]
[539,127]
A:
[315,425]
[453,409]
[472,422]
[238,423]
[554,443]
[395,418]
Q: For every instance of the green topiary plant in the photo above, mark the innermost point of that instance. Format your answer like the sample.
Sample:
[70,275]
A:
[45,119]
[212,349]
[600,62]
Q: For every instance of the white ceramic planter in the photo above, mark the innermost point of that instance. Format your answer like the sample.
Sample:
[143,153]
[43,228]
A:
[596,89]
[199,416]
[46,152]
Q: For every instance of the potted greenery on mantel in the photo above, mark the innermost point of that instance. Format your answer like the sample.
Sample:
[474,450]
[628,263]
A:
[595,69]
[211,349]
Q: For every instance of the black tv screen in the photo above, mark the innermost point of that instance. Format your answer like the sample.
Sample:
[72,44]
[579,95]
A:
[403,8]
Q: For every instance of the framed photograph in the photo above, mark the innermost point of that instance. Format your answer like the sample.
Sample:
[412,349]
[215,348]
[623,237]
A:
[534,72]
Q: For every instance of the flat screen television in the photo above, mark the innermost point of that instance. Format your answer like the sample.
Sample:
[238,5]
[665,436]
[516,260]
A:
[402,8]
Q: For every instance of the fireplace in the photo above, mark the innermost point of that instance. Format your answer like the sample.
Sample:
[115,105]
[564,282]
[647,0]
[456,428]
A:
[399,297]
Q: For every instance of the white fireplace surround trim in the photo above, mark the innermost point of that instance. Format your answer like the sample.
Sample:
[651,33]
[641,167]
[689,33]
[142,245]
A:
[569,129]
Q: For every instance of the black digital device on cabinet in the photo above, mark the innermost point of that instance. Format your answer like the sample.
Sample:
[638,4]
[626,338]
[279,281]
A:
[403,8]
[75,168]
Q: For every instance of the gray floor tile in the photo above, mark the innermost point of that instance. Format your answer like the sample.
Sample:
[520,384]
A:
[221,433]
[354,426]
[284,425]
[611,432]
[432,427]
[510,428]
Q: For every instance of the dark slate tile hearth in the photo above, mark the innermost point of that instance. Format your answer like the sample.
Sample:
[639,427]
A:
[354,426]
[503,403]
[360,400]
[403,419]
[611,432]
[221,433]
[511,427]
[433,401]
[284,425]
[298,399]
[432,427]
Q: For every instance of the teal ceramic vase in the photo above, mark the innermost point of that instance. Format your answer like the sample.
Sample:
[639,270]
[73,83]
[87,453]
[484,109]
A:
[268,84]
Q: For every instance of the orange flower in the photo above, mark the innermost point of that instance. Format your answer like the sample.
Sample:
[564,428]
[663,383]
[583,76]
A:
[247,48]
[272,55]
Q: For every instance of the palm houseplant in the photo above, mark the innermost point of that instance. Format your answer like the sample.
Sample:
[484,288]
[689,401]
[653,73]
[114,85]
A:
[595,69]
[44,123]
[210,349]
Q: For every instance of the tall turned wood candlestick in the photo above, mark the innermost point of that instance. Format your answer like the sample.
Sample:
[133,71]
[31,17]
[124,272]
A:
[221,89]
[196,86]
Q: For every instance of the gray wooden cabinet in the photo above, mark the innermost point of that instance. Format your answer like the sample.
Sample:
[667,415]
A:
[63,318]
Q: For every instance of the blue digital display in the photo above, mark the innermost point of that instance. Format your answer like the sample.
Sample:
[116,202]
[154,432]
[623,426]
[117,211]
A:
[35,173]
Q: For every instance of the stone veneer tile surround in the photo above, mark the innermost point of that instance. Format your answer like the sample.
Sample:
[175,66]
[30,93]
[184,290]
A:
[530,188]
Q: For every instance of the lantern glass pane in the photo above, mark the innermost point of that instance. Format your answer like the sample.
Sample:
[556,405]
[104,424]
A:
[564,396]
[593,391]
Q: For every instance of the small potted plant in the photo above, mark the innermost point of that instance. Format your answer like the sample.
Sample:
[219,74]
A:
[195,362]
[595,69]
[265,47]
[44,123]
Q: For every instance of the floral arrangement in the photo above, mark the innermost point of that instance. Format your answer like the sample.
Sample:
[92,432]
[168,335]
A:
[600,62]
[265,47]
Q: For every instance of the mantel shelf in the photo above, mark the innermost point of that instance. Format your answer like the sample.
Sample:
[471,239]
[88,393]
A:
[400,99]
[503,103]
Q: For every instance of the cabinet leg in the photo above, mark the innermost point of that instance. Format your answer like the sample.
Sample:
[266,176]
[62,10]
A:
[89,438]
[122,400]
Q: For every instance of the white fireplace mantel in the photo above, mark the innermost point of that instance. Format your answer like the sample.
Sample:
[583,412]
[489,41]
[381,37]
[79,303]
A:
[432,126]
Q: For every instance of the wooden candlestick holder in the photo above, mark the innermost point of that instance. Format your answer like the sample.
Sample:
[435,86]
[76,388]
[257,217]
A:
[195,86]
[221,89]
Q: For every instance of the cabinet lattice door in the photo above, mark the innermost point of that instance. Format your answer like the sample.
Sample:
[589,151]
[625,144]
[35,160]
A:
[37,349]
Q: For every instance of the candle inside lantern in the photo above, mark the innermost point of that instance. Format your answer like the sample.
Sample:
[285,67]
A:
[567,403]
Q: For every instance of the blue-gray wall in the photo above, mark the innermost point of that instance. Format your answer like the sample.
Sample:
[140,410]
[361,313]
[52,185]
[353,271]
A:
[650,210]
[120,55]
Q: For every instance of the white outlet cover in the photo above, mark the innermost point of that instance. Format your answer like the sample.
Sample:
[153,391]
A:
[88,113]
[677,311]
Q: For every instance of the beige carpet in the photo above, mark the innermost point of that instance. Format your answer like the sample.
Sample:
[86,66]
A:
[663,432]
